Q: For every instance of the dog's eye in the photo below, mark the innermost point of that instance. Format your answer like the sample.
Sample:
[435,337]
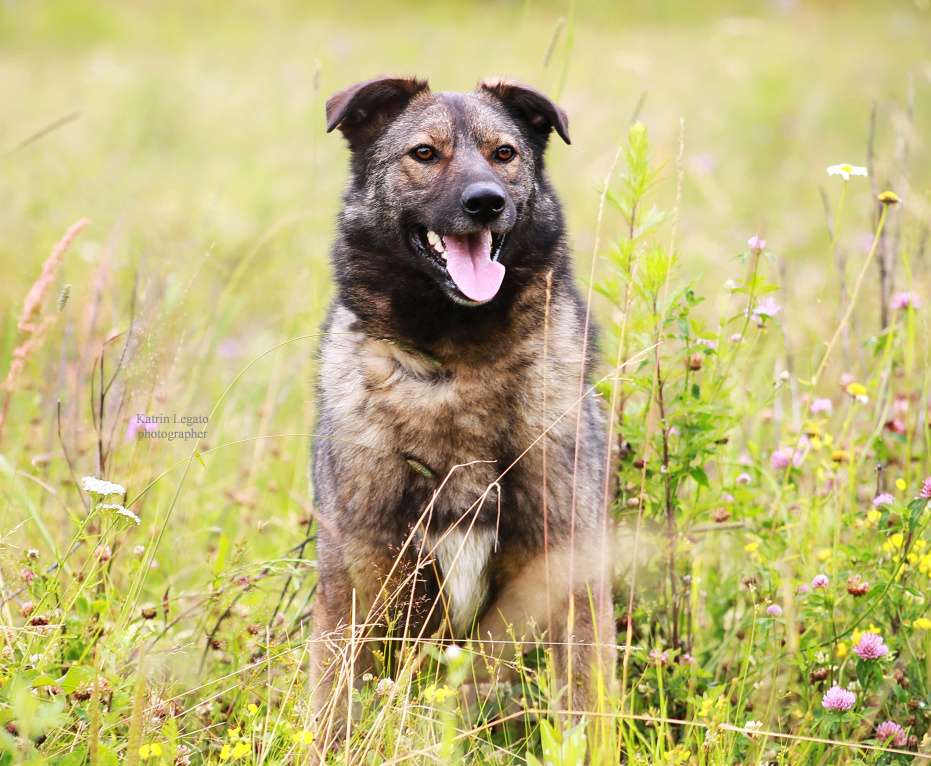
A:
[423,153]
[505,153]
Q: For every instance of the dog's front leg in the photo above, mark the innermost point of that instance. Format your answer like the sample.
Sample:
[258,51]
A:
[339,654]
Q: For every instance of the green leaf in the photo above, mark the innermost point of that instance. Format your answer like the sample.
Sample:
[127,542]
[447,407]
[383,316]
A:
[698,473]
[77,676]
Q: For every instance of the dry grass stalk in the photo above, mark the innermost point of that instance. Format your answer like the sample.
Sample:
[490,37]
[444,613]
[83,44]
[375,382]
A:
[31,326]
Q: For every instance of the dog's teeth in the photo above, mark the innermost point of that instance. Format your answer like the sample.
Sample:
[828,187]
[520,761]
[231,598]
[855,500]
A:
[433,238]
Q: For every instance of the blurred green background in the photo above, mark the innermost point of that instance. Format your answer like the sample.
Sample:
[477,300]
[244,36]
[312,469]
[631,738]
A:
[192,135]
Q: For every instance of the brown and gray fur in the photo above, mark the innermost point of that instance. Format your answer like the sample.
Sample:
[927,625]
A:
[459,458]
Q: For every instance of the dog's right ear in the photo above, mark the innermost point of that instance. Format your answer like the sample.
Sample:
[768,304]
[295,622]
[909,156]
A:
[363,110]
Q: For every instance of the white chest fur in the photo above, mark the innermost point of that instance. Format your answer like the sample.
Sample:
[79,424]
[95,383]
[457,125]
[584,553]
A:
[462,556]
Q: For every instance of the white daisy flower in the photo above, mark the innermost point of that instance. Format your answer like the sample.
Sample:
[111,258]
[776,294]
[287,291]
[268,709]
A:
[845,170]
[97,486]
[121,510]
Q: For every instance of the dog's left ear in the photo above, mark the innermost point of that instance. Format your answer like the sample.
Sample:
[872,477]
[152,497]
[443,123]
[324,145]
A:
[539,112]
[363,110]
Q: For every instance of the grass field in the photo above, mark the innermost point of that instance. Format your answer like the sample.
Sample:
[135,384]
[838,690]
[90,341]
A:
[793,376]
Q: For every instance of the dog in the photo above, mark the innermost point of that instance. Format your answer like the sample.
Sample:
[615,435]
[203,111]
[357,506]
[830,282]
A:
[460,453]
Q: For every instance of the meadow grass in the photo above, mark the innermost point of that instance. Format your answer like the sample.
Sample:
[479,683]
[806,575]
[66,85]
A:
[777,388]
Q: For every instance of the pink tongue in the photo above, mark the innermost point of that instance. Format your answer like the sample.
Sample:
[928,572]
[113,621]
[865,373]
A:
[468,261]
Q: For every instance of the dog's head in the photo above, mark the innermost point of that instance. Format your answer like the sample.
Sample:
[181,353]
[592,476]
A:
[449,184]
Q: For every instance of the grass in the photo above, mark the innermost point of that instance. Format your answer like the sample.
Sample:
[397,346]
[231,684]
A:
[192,139]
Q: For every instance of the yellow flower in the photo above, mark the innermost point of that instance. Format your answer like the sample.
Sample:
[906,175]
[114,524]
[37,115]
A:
[752,547]
[824,554]
[901,485]
[894,543]
[856,390]
[840,456]
[240,749]
[232,732]
[841,649]
[924,564]
[873,516]
[252,708]
[225,752]
[153,749]
[437,694]
[922,623]
[303,737]
[889,197]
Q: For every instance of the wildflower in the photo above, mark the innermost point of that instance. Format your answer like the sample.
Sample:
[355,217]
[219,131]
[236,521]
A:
[153,750]
[736,337]
[922,623]
[752,546]
[234,752]
[27,575]
[137,424]
[774,610]
[766,308]
[856,586]
[659,657]
[822,405]
[858,392]
[233,732]
[840,456]
[900,484]
[744,478]
[905,300]
[883,499]
[838,700]
[252,708]
[138,550]
[889,732]
[873,517]
[803,589]
[721,515]
[103,553]
[730,285]
[32,553]
[819,581]
[845,170]
[888,197]
[894,543]
[437,694]
[926,489]
[95,486]
[824,554]
[384,686]
[756,244]
[781,458]
[841,650]
[121,511]
[303,737]
[896,426]
[871,647]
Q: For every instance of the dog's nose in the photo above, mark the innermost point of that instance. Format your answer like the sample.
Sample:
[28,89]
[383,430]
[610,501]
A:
[484,201]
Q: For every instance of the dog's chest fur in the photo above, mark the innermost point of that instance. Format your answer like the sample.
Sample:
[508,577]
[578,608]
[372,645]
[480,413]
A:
[421,445]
